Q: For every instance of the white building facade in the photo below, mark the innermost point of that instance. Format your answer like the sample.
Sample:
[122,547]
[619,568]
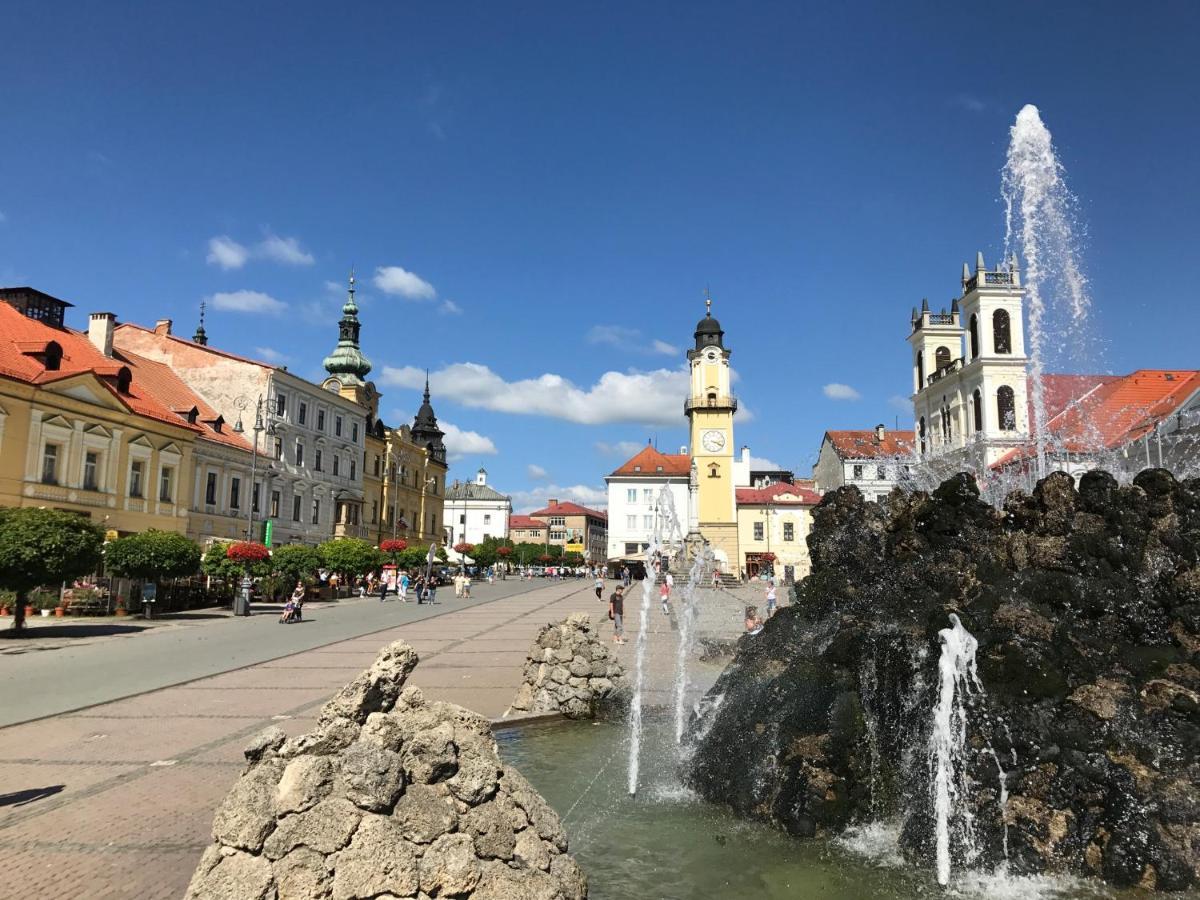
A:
[633,499]
[874,461]
[310,451]
[475,511]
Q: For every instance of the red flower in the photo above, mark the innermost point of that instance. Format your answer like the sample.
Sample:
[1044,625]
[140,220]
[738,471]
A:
[545,557]
[393,545]
[769,557]
[504,551]
[247,551]
[463,547]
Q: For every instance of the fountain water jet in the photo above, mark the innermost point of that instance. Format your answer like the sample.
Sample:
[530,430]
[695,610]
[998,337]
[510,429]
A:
[1038,220]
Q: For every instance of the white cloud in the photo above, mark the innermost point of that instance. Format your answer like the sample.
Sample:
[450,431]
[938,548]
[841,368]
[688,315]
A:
[837,391]
[227,253]
[248,302]
[900,403]
[535,471]
[615,335]
[271,355]
[584,494]
[450,308]
[762,464]
[283,250]
[629,339]
[650,398]
[623,449]
[968,102]
[402,283]
[460,443]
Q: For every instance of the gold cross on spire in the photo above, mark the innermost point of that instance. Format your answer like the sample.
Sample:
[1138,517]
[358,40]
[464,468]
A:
[707,301]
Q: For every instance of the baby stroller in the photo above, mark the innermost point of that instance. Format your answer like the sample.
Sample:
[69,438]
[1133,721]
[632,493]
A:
[291,612]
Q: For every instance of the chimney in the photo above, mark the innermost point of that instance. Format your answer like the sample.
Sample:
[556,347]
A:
[745,455]
[481,477]
[683,451]
[162,326]
[100,331]
[879,433]
[553,502]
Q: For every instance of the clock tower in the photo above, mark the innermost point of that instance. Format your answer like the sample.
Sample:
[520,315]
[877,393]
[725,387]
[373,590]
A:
[710,410]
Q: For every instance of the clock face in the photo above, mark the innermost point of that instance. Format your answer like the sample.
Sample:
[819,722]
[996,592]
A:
[713,441]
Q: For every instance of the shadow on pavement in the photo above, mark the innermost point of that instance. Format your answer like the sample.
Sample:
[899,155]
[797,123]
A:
[23,798]
[35,632]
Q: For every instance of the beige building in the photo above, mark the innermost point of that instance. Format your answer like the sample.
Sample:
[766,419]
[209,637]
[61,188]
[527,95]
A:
[81,426]
[577,529]
[773,527]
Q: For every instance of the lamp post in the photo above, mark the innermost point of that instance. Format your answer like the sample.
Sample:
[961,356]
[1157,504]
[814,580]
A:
[243,606]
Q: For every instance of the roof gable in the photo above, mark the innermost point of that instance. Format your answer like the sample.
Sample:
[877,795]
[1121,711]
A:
[649,461]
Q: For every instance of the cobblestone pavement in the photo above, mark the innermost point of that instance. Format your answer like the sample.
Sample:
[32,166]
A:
[116,800]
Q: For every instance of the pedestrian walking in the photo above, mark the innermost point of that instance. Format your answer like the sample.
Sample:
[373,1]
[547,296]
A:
[616,612]
[466,587]
[599,585]
[402,584]
[770,597]
[664,594]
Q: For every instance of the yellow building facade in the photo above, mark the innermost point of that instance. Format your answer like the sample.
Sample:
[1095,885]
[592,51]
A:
[710,410]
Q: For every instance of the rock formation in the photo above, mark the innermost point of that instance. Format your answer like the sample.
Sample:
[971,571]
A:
[1086,607]
[570,670]
[390,795]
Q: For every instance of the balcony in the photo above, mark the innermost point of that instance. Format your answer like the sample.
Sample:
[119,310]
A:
[954,366]
[990,279]
[727,402]
[350,530]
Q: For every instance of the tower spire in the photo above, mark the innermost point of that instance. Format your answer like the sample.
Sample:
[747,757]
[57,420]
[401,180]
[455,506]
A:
[347,362]
[201,336]
[707,301]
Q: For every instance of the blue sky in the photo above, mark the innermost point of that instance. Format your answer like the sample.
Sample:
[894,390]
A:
[536,195]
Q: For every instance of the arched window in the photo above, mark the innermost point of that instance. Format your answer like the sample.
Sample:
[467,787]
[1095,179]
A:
[1001,331]
[921,432]
[1006,409]
[920,370]
[712,399]
[942,357]
[53,356]
[714,471]
[124,378]
[977,403]
[945,424]
[974,334]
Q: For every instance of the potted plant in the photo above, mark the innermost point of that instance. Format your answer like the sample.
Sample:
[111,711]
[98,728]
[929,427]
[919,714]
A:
[121,610]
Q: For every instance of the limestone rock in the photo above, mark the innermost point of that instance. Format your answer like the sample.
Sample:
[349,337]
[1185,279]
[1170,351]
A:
[390,795]
[1085,605]
[570,670]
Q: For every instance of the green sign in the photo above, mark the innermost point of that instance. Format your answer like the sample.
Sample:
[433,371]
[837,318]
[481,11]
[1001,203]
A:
[268,528]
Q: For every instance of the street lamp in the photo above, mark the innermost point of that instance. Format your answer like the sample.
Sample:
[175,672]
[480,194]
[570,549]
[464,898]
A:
[238,428]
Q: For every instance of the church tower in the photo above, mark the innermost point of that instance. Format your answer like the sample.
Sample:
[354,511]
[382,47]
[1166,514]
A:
[347,365]
[710,410]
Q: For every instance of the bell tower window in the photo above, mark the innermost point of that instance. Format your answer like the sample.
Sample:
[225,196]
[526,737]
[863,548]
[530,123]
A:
[1001,331]
[920,370]
[1006,409]
[974,336]
[977,409]
[942,357]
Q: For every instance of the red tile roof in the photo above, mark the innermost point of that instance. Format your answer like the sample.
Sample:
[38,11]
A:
[21,337]
[204,347]
[649,461]
[160,380]
[525,522]
[778,493]
[569,509]
[866,445]
[1107,411]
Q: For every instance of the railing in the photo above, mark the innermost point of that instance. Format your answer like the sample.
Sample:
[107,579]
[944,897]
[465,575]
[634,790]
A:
[941,373]
[723,402]
[942,319]
[989,278]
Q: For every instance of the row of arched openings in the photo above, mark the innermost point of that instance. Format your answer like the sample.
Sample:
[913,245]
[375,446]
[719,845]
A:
[1006,415]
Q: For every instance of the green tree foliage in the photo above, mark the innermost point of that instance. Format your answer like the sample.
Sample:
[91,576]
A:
[486,550]
[527,553]
[351,556]
[296,562]
[44,546]
[217,564]
[152,556]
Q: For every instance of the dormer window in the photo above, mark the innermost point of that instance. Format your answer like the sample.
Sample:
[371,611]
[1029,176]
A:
[124,379]
[53,356]
[637,468]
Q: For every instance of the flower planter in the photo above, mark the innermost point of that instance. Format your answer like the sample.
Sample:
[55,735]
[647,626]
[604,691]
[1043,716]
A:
[45,613]
[28,611]
[4,611]
[59,612]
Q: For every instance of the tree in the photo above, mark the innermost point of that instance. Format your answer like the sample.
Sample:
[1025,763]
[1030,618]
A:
[351,556]
[490,549]
[44,546]
[527,552]
[217,564]
[152,555]
[296,562]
